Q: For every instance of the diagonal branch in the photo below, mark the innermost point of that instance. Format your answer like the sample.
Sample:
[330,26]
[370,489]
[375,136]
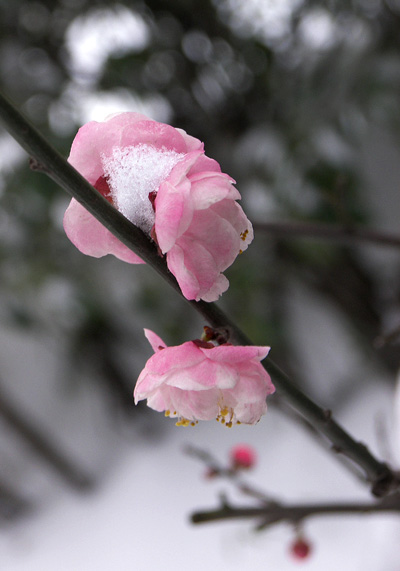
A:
[382,479]
[39,442]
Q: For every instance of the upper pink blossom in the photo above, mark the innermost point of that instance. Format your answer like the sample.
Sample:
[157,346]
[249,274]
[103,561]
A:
[161,180]
[200,381]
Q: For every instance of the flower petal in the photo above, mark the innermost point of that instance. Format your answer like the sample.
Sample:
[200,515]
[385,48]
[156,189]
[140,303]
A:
[92,238]
[155,341]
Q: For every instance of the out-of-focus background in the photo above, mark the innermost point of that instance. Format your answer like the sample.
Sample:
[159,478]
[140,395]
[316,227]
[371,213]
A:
[300,102]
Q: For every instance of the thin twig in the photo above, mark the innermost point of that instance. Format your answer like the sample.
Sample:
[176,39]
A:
[231,474]
[383,480]
[343,234]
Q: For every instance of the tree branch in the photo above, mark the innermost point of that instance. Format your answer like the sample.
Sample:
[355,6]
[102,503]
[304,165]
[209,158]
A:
[343,234]
[383,480]
[40,443]
[275,513]
[12,504]
[271,511]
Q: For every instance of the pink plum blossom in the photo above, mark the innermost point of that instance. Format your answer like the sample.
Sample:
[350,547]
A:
[161,180]
[200,381]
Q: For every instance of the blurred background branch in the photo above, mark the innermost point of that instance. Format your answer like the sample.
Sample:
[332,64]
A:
[48,451]
[339,234]
[269,510]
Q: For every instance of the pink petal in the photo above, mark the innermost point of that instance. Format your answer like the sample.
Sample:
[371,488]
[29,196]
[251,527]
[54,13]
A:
[195,405]
[155,341]
[149,132]
[91,142]
[204,163]
[203,376]
[208,188]
[92,238]
[192,144]
[174,358]
[236,354]
[195,279]
[180,171]
[174,212]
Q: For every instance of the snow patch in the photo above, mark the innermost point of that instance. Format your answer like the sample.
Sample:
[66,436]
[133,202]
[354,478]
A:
[132,173]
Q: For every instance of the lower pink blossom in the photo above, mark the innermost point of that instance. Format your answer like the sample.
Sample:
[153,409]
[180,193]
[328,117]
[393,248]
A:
[161,180]
[200,381]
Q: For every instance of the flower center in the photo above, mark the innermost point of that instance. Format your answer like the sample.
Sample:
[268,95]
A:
[132,174]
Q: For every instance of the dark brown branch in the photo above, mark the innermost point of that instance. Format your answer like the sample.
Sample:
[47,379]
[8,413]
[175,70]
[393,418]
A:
[274,513]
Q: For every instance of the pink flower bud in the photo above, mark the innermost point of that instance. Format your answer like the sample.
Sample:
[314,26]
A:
[161,180]
[300,549]
[198,381]
[243,456]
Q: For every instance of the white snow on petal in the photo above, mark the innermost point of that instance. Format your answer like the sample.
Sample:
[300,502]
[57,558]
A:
[134,172]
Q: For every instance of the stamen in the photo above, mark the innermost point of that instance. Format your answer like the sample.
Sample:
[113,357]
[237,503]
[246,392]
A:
[182,422]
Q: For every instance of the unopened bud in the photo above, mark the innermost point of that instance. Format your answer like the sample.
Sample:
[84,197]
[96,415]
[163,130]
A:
[300,549]
[243,456]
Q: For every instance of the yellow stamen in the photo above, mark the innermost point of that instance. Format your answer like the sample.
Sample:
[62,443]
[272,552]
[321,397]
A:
[167,412]
[243,235]
[226,415]
[183,422]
